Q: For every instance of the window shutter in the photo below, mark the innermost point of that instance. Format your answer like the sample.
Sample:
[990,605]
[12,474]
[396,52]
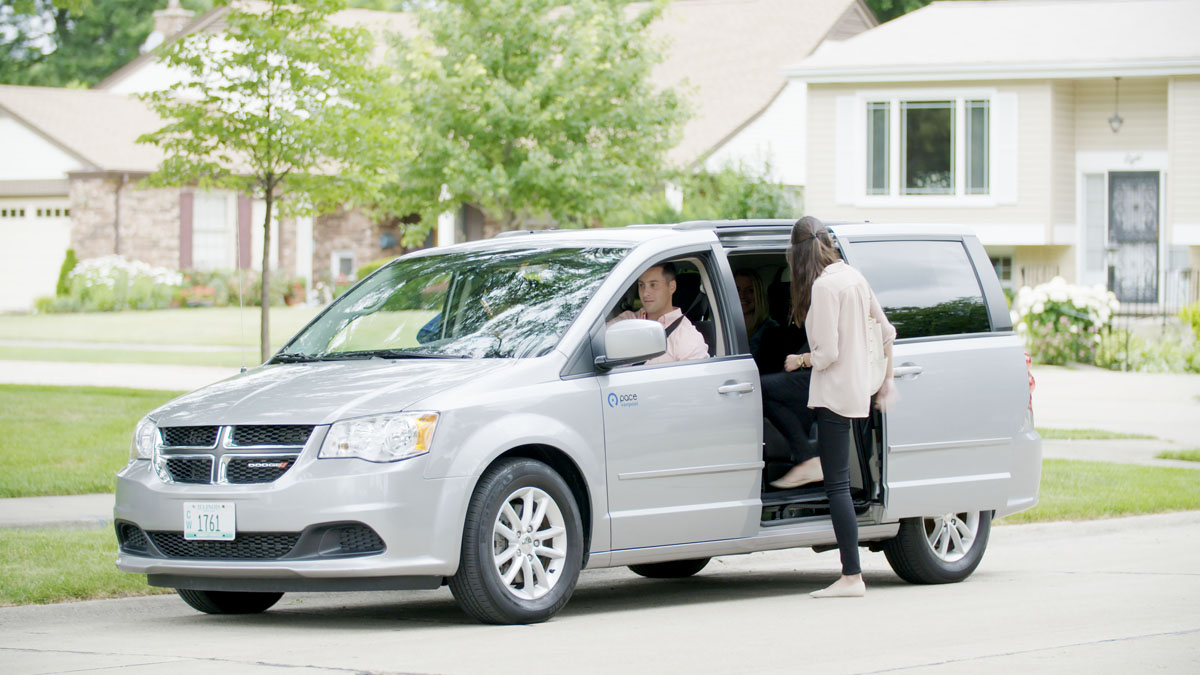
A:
[1004,148]
[245,246]
[186,214]
[848,154]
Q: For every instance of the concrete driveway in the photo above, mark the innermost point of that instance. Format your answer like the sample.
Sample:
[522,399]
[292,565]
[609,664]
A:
[1114,596]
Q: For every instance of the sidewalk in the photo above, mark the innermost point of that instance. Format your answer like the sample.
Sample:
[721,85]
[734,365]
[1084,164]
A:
[1164,406]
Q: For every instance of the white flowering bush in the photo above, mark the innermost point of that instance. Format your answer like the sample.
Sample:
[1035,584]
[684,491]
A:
[1063,322]
[113,283]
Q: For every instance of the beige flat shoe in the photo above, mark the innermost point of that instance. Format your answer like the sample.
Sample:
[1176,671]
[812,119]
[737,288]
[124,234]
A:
[796,476]
[840,589]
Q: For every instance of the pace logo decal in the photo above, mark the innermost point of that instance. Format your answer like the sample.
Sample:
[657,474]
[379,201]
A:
[622,401]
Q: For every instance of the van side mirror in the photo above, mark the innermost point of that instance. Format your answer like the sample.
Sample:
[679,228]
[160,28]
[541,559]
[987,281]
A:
[631,341]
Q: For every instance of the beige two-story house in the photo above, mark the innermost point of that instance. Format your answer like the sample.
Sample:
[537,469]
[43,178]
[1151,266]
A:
[1066,132]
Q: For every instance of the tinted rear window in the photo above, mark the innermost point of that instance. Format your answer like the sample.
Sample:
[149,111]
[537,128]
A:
[927,288]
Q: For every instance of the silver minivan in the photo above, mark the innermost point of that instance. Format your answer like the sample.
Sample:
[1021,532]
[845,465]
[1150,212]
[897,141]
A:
[468,416]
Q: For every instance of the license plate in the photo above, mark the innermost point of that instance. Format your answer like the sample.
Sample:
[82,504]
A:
[209,520]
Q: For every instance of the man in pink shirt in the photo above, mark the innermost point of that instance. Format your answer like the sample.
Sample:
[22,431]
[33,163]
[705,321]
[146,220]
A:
[656,288]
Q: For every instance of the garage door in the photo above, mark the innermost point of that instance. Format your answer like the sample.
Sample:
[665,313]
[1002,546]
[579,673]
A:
[34,236]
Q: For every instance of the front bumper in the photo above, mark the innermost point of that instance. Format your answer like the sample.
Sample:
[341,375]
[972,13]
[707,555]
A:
[419,520]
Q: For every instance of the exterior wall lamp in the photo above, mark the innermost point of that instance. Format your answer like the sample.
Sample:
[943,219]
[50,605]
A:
[1116,120]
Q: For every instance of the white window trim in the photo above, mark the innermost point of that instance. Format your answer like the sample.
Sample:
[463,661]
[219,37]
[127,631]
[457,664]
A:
[851,173]
[335,257]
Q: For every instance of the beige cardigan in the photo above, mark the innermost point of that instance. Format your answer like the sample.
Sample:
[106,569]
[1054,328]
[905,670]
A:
[837,335]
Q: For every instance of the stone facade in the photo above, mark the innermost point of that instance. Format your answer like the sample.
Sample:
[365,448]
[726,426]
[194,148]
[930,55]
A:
[145,225]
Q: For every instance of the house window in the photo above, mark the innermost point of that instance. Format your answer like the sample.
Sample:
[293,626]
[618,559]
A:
[928,147]
[343,266]
[942,148]
[213,232]
[877,148]
[1003,266]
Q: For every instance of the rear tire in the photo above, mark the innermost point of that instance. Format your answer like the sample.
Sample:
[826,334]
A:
[939,550]
[522,545]
[228,602]
[672,569]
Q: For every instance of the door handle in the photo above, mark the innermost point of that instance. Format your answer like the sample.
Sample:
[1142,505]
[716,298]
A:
[907,369]
[736,388]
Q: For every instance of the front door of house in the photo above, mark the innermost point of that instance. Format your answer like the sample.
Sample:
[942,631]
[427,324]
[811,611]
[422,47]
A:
[1133,233]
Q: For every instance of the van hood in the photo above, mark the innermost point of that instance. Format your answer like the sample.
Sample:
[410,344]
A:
[322,392]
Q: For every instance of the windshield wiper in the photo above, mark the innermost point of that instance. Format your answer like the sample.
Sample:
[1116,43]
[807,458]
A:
[293,357]
[390,354]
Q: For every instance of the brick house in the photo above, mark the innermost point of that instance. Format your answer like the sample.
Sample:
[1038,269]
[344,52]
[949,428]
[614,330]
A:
[71,170]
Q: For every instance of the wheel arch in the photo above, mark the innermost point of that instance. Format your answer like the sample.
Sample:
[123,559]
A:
[570,472]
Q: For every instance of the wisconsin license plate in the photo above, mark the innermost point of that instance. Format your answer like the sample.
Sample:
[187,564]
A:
[209,520]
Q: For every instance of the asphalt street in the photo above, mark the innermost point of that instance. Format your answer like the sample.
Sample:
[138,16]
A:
[1112,596]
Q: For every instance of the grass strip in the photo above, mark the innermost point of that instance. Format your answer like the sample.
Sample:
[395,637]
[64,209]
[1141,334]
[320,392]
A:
[67,440]
[225,359]
[1088,435]
[1192,455]
[54,565]
[1080,490]
[192,326]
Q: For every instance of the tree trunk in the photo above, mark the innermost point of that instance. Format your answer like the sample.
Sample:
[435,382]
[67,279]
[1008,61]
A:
[265,288]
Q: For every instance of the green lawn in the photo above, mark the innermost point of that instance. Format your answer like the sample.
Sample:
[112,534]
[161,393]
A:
[67,440]
[70,565]
[1078,490]
[199,326]
[1192,455]
[1087,435]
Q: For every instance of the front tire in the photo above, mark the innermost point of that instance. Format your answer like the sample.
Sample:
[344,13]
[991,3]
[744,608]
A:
[672,569]
[522,545]
[228,602]
[939,550]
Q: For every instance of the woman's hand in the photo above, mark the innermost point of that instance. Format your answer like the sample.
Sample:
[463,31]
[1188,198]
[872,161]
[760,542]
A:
[887,396]
[795,362]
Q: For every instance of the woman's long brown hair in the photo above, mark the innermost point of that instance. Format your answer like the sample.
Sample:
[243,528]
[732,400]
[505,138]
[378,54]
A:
[810,252]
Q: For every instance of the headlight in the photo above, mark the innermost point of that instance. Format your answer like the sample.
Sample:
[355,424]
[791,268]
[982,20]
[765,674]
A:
[145,437]
[384,438]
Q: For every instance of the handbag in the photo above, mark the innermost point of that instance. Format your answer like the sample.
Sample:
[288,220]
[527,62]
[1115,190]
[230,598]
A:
[876,357]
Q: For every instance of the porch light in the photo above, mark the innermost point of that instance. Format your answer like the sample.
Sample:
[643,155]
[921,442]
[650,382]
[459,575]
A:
[1116,121]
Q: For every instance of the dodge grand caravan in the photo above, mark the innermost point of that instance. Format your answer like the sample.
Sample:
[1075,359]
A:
[467,416]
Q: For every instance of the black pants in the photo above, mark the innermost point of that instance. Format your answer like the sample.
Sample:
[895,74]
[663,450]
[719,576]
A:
[785,405]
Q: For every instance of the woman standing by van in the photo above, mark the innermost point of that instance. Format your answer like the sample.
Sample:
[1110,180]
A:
[832,300]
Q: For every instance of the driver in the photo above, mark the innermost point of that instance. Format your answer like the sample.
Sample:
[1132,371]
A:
[656,288]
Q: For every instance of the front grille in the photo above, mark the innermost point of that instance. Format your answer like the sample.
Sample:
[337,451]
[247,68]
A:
[257,469]
[204,437]
[131,538]
[190,469]
[247,546]
[280,434]
[359,539]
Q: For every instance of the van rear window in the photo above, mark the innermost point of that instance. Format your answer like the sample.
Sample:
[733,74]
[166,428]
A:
[926,288]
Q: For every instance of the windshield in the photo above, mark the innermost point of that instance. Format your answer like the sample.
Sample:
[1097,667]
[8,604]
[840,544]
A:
[472,304]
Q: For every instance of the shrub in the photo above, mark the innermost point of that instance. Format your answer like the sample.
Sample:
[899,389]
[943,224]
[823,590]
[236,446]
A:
[1122,350]
[219,288]
[1062,322]
[69,263]
[113,283]
[372,266]
[1190,316]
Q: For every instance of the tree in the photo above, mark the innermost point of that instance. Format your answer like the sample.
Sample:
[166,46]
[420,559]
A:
[886,10]
[732,192]
[284,106]
[58,43]
[529,108]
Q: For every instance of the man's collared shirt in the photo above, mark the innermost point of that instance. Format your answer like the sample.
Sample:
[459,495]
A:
[683,344]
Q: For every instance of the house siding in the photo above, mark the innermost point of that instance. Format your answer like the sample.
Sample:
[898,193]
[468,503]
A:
[1142,104]
[1183,173]
[1063,190]
[1034,159]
